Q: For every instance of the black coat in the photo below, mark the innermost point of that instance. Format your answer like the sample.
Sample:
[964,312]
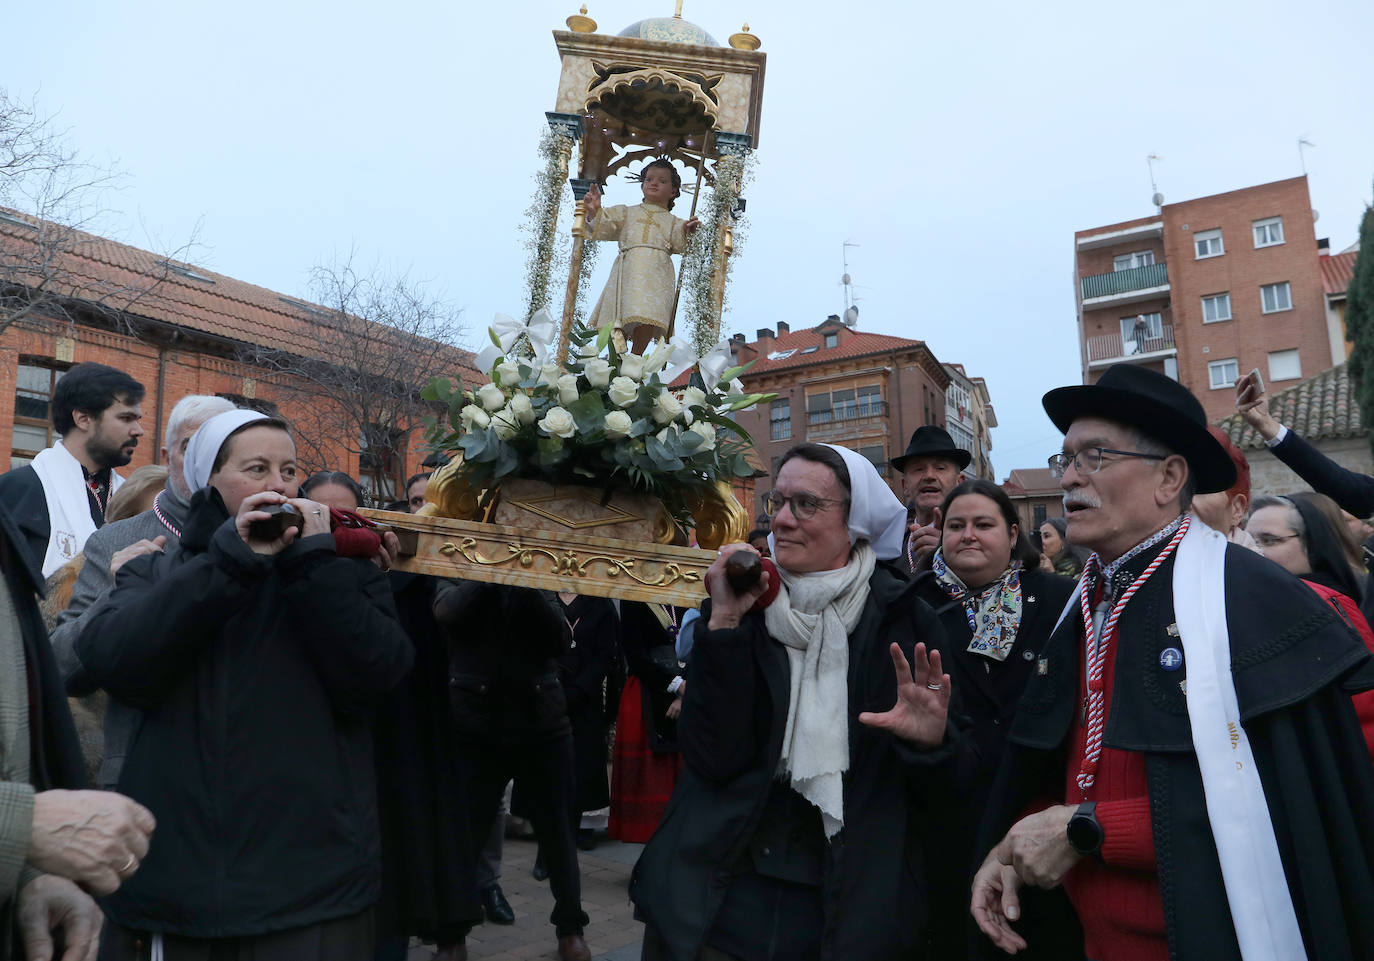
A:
[21,491]
[1294,665]
[255,675]
[989,694]
[651,656]
[583,670]
[733,718]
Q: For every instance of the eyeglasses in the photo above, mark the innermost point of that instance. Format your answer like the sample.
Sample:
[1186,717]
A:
[804,504]
[1273,540]
[1089,459]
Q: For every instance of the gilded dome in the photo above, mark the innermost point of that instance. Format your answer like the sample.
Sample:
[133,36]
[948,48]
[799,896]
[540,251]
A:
[670,30]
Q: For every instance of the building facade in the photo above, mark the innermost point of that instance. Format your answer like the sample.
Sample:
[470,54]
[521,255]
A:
[969,418]
[1207,290]
[1037,495]
[837,385]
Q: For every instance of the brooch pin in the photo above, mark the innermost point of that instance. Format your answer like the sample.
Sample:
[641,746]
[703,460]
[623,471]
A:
[1171,659]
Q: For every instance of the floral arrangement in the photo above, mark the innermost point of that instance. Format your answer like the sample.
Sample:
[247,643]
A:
[604,417]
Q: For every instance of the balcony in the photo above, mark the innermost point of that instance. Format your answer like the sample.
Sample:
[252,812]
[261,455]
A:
[1108,349]
[848,424]
[1125,286]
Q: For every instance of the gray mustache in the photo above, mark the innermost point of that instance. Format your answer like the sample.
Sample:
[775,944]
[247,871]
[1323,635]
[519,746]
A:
[1080,499]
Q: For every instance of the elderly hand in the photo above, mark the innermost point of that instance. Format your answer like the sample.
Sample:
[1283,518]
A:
[924,538]
[136,549]
[96,838]
[1039,847]
[49,903]
[922,699]
[1252,406]
[995,904]
[316,516]
[727,607]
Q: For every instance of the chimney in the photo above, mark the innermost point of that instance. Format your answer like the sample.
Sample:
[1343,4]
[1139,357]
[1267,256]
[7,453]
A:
[783,327]
[1324,244]
[765,339]
[834,317]
[741,350]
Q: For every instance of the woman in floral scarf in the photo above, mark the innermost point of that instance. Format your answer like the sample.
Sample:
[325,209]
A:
[997,608]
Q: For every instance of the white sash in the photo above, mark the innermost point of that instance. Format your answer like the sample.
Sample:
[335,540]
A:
[1256,888]
[69,508]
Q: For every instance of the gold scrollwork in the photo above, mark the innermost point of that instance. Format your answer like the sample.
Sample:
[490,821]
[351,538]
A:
[570,563]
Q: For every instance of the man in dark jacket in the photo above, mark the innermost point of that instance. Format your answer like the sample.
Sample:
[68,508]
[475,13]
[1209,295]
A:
[1216,788]
[511,719]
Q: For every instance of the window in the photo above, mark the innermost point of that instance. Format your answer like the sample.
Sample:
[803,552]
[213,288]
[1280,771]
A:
[1207,243]
[1275,297]
[832,340]
[877,456]
[843,404]
[1216,307]
[1039,515]
[1223,373]
[1284,365]
[1141,258]
[1148,336]
[870,401]
[252,403]
[1268,233]
[818,409]
[962,438]
[381,460]
[780,418]
[33,430]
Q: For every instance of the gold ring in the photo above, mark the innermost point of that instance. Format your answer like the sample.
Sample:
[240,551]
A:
[128,864]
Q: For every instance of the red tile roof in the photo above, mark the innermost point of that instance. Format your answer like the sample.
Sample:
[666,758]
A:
[1337,270]
[1032,480]
[1322,407]
[853,343]
[87,267]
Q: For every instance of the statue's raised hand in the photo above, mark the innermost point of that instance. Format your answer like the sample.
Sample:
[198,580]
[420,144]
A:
[592,202]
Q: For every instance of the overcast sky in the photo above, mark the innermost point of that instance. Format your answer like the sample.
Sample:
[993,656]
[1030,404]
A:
[959,145]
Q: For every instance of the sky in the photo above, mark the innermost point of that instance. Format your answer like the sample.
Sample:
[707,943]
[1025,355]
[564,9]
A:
[959,146]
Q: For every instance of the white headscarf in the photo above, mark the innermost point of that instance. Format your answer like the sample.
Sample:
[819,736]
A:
[206,442]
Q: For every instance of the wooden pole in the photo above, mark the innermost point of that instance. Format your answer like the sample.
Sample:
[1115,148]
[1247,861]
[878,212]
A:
[696,195]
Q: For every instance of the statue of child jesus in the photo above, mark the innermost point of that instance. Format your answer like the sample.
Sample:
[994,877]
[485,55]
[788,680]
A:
[638,298]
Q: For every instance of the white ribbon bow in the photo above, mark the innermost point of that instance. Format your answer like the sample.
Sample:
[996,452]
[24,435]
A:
[539,331]
[717,360]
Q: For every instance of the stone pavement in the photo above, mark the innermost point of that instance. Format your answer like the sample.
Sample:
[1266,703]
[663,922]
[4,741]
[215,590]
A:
[613,934]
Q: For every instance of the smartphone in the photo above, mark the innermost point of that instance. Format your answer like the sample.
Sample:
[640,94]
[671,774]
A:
[1259,382]
[283,516]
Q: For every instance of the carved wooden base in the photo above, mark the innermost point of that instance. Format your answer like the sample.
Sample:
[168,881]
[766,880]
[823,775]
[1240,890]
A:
[572,562]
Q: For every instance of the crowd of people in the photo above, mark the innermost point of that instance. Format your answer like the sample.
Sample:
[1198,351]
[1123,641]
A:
[1141,731]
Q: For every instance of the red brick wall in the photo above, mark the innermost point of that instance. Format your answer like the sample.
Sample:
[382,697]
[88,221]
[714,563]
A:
[184,372]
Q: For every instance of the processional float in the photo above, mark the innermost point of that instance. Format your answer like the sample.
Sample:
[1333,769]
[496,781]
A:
[590,453]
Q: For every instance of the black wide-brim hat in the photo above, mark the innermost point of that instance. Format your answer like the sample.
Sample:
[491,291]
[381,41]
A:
[1159,407]
[932,442]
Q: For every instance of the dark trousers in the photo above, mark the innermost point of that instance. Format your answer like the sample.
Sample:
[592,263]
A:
[344,939]
[548,787]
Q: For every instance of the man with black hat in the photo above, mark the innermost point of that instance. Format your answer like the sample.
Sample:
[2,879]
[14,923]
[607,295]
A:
[930,469]
[1191,709]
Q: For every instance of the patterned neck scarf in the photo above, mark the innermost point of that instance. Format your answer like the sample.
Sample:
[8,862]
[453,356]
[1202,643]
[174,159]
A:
[994,613]
[1094,571]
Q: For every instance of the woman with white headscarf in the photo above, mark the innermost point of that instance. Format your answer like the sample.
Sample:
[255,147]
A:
[254,661]
[794,831]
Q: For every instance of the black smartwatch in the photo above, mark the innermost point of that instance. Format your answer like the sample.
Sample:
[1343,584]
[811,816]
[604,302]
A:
[1084,831]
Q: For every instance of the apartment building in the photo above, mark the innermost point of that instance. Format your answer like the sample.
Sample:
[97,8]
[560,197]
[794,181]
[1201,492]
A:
[969,418]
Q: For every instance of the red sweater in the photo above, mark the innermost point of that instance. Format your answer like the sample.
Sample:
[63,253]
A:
[1117,898]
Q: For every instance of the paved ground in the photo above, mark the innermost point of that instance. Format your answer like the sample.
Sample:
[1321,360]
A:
[613,934]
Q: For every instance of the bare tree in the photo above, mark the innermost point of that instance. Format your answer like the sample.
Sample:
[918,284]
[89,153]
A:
[370,346]
[50,201]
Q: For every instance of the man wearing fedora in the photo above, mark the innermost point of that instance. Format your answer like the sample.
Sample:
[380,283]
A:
[1191,711]
[930,469]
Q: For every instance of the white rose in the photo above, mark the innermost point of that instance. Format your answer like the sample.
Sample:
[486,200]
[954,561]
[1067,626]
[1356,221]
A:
[508,373]
[549,373]
[666,406]
[618,424]
[521,408]
[558,423]
[632,366]
[474,418]
[597,371]
[693,397]
[492,397]
[623,391]
[567,389]
[505,424]
[707,433]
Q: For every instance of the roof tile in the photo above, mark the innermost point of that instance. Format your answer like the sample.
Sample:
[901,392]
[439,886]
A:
[1322,407]
[1337,271]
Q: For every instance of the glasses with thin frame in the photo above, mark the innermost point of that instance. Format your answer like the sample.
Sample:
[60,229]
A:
[804,504]
[1089,460]
[1273,540]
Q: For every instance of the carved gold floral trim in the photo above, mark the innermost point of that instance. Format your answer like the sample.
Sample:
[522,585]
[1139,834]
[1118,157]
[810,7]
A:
[568,562]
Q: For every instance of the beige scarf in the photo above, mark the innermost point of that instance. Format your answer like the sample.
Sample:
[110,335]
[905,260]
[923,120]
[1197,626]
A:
[812,618]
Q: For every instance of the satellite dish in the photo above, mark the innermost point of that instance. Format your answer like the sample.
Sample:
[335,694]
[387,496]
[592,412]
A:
[851,317]
[1316,215]
[1157,200]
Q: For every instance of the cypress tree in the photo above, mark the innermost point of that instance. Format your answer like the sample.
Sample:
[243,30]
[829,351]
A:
[1359,323]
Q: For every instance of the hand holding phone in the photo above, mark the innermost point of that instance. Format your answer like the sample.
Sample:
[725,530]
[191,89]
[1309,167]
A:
[1249,390]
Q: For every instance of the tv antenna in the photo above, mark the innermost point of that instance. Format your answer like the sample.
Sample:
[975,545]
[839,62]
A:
[1302,154]
[1157,198]
[846,281]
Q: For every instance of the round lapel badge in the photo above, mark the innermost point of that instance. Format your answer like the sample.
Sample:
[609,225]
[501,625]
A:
[1171,659]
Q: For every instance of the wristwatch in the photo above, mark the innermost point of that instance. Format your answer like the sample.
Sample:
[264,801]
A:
[1084,831]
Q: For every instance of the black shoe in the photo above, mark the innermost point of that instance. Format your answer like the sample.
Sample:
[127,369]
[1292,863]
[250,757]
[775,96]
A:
[539,872]
[496,907]
[586,839]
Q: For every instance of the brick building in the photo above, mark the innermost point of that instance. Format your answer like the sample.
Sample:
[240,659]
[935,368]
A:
[969,418]
[178,330]
[836,385]
[1037,495]
[1206,290]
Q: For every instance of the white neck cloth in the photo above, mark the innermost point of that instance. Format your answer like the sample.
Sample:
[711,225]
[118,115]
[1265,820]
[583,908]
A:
[206,442]
[69,508]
